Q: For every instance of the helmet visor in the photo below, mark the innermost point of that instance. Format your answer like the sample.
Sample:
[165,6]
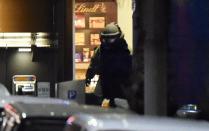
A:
[108,40]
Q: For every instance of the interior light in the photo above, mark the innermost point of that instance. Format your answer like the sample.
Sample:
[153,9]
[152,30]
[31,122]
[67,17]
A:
[24,39]
[9,44]
[17,39]
[17,34]
[42,34]
[42,45]
[24,49]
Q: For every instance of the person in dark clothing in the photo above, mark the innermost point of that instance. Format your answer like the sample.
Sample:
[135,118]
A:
[113,62]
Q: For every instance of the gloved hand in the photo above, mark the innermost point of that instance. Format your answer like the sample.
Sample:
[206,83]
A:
[87,82]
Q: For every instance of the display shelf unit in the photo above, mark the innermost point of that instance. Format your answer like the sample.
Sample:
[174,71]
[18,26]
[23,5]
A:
[82,65]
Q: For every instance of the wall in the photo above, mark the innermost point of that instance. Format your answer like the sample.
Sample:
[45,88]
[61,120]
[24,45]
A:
[20,63]
[188,52]
[68,46]
[125,20]
[25,15]
[149,90]
[64,27]
[60,13]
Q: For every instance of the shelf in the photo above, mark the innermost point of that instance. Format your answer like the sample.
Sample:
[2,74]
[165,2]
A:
[82,65]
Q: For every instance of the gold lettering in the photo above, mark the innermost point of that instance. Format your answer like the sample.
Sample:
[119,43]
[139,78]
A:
[103,8]
[82,8]
[94,9]
[79,7]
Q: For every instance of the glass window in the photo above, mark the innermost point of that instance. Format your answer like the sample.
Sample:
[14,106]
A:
[73,127]
[42,125]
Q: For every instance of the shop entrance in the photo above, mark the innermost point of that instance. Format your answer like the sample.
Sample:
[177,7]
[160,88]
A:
[91,16]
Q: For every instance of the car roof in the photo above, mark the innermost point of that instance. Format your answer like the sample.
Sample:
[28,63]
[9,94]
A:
[94,122]
[59,109]
[3,91]
[91,109]
[29,99]
[41,109]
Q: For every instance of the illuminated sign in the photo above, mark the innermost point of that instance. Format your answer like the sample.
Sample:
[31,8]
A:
[21,78]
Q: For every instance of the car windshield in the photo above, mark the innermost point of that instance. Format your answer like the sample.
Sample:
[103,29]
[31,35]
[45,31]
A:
[42,125]
[117,130]
[73,127]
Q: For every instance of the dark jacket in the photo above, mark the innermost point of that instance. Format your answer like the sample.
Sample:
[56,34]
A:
[113,63]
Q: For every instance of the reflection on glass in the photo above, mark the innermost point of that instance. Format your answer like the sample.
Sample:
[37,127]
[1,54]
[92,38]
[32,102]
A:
[96,22]
[80,21]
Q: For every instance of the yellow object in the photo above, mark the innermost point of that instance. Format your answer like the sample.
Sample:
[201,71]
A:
[89,89]
[106,103]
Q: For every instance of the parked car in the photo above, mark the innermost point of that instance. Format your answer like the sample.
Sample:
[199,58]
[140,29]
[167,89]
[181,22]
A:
[190,111]
[30,99]
[3,91]
[26,116]
[131,122]
[27,99]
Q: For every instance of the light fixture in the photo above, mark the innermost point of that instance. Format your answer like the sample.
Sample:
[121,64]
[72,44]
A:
[15,35]
[24,49]
[24,39]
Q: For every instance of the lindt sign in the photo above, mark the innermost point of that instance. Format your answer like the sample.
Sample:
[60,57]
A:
[90,7]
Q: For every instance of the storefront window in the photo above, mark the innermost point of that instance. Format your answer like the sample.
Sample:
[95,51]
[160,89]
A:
[90,18]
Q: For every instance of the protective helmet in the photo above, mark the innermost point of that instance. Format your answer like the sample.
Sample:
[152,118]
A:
[110,33]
